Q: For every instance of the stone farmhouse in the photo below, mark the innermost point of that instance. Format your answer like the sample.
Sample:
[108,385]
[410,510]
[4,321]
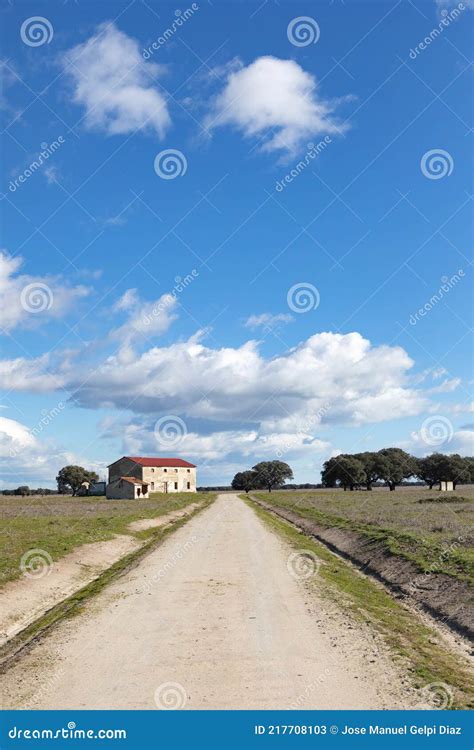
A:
[131,477]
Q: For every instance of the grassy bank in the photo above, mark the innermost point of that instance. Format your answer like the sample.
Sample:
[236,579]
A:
[431,529]
[418,647]
[58,524]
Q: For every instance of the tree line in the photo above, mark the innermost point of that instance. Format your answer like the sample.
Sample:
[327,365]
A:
[392,466]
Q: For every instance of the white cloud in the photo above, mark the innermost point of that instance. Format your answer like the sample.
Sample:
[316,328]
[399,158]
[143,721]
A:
[113,82]
[145,319]
[329,378]
[28,300]
[267,320]
[276,101]
[32,375]
[27,459]
[458,441]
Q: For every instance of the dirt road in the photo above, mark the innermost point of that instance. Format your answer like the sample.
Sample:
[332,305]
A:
[213,618]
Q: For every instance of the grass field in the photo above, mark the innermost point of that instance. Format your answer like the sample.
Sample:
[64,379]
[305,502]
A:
[59,523]
[432,529]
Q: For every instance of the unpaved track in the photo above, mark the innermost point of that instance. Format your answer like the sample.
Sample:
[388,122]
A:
[215,610]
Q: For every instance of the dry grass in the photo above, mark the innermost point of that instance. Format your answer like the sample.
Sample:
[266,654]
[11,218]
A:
[425,526]
[59,523]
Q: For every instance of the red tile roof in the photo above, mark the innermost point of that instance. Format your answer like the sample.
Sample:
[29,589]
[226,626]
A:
[158,462]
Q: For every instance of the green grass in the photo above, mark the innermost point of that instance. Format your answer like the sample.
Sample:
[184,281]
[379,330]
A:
[434,535]
[418,647]
[58,524]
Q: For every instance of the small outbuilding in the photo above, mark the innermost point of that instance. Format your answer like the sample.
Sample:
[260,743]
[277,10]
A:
[127,488]
[445,486]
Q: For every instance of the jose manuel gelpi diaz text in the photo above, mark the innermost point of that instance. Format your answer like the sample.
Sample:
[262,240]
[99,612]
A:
[404,729]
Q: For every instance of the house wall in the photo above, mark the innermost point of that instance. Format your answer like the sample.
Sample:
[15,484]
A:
[158,476]
[121,491]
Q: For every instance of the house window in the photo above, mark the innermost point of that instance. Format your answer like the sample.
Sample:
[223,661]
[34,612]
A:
[176,471]
[152,471]
[152,486]
[176,485]
[189,470]
[165,469]
[189,485]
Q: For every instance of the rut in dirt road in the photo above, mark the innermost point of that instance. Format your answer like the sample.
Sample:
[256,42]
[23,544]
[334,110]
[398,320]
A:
[213,618]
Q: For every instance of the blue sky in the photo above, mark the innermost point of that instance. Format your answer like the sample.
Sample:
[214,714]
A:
[261,298]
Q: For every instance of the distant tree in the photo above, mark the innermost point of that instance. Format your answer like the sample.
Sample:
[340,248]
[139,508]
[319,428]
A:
[70,479]
[245,480]
[345,470]
[271,474]
[400,466]
[23,490]
[375,467]
[427,469]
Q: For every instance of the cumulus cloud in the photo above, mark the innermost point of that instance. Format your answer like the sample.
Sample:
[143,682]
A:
[28,300]
[144,319]
[329,378]
[267,320]
[28,457]
[276,101]
[114,84]
[34,375]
